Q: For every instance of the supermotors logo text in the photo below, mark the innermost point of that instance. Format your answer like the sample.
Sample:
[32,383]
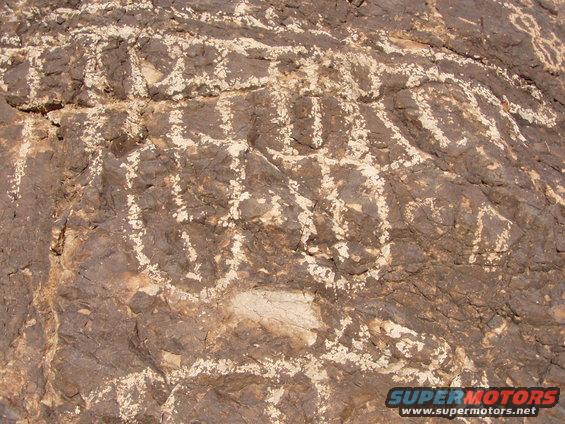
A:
[451,402]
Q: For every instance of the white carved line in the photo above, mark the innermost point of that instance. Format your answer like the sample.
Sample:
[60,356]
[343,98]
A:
[21,158]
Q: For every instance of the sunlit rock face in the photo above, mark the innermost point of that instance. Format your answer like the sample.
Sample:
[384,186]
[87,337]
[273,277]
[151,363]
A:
[275,211]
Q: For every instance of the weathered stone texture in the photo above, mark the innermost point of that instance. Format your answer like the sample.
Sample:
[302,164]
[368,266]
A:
[274,211]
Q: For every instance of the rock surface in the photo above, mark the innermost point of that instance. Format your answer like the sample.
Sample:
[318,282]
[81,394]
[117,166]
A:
[274,211]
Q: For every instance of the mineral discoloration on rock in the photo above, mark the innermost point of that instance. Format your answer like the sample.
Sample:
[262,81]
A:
[287,313]
[275,211]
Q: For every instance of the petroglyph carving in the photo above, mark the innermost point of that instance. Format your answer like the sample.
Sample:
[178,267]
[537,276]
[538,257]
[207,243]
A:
[242,211]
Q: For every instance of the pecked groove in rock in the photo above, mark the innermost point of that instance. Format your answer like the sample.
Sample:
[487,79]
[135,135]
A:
[275,211]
